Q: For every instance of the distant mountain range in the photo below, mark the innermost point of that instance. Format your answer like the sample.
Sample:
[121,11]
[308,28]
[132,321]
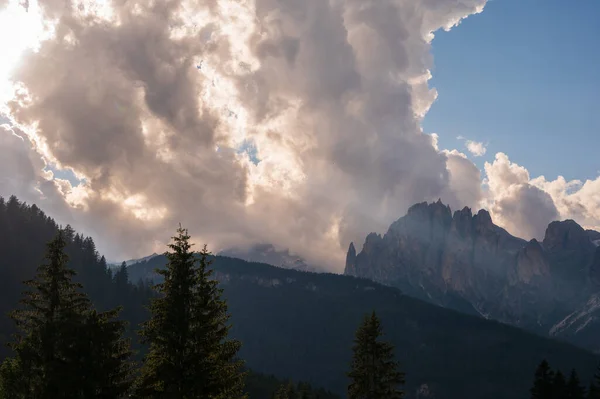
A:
[131,261]
[467,263]
[267,253]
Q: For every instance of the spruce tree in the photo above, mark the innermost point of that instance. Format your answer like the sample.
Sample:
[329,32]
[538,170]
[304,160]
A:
[53,346]
[286,391]
[574,390]
[107,368]
[594,390]
[374,373]
[559,386]
[189,355]
[543,382]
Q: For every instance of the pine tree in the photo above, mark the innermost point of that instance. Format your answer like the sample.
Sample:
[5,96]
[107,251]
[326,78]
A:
[559,386]
[374,373]
[53,346]
[543,382]
[594,391]
[190,355]
[107,368]
[574,390]
[287,391]
[305,391]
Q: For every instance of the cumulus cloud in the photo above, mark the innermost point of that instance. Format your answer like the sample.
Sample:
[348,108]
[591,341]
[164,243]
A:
[574,199]
[155,105]
[465,179]
[476,148]
[292,123]
[526,206]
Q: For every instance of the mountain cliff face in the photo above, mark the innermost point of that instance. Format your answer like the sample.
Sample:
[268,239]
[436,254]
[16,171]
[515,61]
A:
[466,262]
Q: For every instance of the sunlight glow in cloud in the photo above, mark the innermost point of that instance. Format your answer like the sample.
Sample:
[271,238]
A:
[20,30]
[163,110]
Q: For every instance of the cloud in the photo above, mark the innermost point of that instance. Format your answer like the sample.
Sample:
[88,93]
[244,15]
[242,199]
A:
[136,97]
[525,206]
[465,180]
[476,148]
[23,173]
[293,123]
[574,199]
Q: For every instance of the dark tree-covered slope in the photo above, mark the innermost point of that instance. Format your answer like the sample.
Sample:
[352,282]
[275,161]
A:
[301,325]
[262,386]
[24,232]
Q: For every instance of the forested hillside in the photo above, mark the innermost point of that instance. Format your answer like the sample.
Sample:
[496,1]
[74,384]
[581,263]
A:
[301,324]
[24,232]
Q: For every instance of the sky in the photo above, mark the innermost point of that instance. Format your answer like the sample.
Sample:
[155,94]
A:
[522,78]
[306,125]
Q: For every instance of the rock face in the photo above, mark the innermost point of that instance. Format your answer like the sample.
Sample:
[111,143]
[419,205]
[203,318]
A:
[466,262]
[594,236]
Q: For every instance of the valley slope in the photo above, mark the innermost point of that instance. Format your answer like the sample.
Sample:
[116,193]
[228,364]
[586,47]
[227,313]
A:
[302,324]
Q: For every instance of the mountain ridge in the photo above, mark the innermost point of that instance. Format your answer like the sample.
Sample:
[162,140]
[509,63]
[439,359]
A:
[436,255]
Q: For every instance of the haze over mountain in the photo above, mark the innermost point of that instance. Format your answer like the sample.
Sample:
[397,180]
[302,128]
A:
[258,121]
[267,253]
[466,262]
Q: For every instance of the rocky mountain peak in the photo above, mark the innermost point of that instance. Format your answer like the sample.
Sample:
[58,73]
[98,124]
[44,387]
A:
[372,238]
[350,260]
[566,235]
[462,222]
[483,220]
[425,210]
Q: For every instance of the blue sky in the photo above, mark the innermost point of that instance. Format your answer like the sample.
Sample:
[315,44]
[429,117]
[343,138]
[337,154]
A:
[523,77]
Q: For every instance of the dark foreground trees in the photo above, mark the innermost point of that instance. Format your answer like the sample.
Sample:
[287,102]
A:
[190,355]
[374,374]
[594,390]
[63,348]
[549,384]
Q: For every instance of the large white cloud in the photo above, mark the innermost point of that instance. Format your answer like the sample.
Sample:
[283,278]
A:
[164,109]
[151,102]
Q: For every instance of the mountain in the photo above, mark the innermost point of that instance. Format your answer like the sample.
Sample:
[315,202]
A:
[301,325]
[594,236]
[132,261]
[267,253]
[465,262]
